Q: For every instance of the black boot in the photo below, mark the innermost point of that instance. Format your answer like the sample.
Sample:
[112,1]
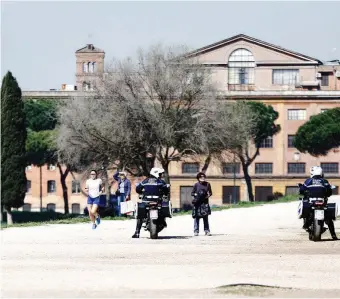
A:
[138,228]
[331,227]
[307,224]
[135,235]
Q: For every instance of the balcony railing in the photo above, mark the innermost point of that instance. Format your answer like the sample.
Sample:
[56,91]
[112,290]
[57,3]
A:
[241,87]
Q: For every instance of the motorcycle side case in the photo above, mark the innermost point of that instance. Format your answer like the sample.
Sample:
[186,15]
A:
[167,209]
[303,209]
[332,211]
[141,212]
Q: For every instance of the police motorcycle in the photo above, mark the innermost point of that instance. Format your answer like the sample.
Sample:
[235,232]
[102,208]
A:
[317,210]
[153,209]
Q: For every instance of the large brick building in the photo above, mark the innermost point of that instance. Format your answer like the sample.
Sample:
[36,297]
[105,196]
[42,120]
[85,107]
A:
[296,85]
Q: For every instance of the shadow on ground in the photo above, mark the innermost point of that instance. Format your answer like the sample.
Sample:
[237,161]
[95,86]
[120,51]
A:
[173,237]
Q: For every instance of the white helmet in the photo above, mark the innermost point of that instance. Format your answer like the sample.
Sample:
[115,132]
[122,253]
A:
[161,170]
[315,170]
[155,171]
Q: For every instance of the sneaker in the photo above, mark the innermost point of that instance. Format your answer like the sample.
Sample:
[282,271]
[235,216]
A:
[94,226]
[196,234]
[207,233]
[98,220]
[135,236]
[334,237]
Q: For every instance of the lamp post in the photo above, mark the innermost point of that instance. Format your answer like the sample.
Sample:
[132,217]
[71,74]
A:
[296,156]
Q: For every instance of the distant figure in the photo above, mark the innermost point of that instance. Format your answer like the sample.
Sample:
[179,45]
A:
[94,188]
[124,189]
[201,209]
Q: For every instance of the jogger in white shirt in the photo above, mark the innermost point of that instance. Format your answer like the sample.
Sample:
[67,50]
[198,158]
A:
[94,188]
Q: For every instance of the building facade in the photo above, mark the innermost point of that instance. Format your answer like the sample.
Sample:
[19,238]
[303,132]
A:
[296,85]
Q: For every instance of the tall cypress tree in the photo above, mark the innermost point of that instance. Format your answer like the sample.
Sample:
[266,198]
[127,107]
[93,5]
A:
[13,139]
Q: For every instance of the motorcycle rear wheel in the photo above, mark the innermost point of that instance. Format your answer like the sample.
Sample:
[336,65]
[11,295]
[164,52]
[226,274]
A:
[153,229]
[317,230]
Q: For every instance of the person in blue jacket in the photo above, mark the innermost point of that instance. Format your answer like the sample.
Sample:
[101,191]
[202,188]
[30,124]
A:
[123,192]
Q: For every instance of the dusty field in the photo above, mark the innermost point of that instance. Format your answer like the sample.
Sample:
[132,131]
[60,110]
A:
[257,246]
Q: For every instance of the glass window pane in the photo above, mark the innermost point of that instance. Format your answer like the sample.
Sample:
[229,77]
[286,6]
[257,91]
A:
[190,167]
[330,167]
[296,167]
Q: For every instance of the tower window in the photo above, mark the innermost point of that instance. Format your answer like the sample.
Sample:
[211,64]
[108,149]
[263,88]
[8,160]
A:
[90,67]
[85,67]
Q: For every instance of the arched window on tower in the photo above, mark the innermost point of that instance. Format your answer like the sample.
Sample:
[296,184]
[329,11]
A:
[85,67]
[241,67]
[90,67]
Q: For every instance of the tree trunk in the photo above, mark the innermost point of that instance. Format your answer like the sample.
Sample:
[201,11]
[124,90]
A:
[40,169]
[64,186]
[107,186]
[9,216]
[166,174]
[206,163]
[248,181]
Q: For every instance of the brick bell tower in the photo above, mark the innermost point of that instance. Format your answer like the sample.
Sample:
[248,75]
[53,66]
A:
[89,66]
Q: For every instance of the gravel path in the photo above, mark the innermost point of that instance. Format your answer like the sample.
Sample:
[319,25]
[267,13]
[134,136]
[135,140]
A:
[262,245]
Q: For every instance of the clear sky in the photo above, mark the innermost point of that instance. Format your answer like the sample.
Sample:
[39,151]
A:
[38,39]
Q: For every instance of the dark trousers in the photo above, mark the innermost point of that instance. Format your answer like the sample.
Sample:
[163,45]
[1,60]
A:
[205,223]
[139,226]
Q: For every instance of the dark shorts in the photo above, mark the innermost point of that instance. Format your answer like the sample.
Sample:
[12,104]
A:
[93,201]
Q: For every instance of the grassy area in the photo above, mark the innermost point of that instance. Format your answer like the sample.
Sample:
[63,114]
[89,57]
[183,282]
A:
[25,219]
[245,204]
[67,219]
[249,290]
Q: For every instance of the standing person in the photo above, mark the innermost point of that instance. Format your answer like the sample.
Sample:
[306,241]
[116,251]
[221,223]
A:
[124,189]
[94,188]
[201,209]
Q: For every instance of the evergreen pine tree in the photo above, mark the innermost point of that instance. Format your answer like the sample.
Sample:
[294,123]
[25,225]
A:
[13,139]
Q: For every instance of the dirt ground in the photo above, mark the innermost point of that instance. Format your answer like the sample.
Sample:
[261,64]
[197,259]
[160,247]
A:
[253,252]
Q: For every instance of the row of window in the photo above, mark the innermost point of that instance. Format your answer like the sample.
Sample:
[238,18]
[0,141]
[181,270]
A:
[262,168]
[89,67]
[50,167]
[299,114]
[268,142]
[75,207]
[241,70]
[227,168]
[51,186]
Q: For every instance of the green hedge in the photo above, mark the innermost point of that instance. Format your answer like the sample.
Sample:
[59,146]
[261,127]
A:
[23,217]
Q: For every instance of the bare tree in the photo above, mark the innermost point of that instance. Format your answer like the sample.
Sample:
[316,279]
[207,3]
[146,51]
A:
[228,127]
[144,109]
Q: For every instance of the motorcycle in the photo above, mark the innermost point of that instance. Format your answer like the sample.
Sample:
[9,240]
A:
[317,211]
[153,210]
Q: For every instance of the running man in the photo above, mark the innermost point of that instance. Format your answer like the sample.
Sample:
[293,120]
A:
[94,188]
